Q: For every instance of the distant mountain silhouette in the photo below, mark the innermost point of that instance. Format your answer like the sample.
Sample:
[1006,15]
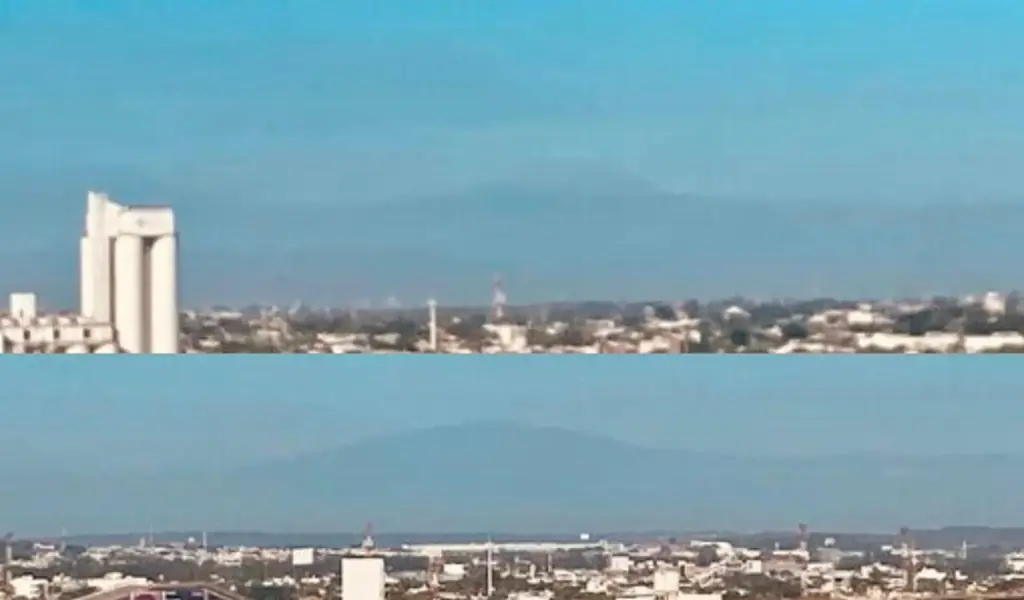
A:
[590,227]
[557,230]
[516,477]
[513,478]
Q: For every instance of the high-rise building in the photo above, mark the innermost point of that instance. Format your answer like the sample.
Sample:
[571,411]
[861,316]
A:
[362,578]
[129,274]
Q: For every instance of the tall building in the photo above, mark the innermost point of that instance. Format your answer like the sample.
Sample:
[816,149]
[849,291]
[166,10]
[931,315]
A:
[129,289]
[129,274]
[362,578]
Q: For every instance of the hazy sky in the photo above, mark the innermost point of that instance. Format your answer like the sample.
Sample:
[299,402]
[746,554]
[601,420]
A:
[130,441]
[159,412]
[275,127]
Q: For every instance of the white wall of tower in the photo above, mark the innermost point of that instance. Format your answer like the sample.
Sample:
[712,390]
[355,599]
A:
[99,304]
[129,295]
[163,295]
[87,278]
[129,274]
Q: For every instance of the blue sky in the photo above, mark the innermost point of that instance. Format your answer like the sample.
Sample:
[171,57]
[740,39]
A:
[274,127]
[157,412]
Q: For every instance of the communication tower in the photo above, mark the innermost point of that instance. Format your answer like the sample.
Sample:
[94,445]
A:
[498,300]
[6,591]
[803,537]
[490,567]
[909,562]
[368,545]
[432,323]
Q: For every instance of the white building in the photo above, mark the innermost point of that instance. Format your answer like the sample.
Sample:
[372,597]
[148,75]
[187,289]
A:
[129,274]
[129,289]
[619,564]
[25,331]
[666,583]
[362,578]
[29,587]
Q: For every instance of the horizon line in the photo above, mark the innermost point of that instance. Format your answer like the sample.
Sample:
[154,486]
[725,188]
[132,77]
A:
[595,537]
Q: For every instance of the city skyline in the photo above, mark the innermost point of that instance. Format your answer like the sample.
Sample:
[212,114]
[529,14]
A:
[901,115]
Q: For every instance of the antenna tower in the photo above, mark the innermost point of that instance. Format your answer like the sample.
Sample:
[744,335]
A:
[432,323]
[498,299]
[368,544]
[490,567]
[6,591]
[802,529]
[909,563]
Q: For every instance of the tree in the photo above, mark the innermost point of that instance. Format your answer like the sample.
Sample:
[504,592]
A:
[573,336]
[794,330]
[739,337]
[539,337]
[706,556]
[470,328]
[916,324]
[665,312]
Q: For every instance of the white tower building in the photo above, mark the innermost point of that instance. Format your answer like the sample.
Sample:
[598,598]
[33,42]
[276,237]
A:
[432,323]
[129,274]
[362,578]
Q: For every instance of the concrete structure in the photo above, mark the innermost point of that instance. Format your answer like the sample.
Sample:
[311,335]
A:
[25,331]
[362,578]
[129,274]
[666,582]
[128,289]
[619,564]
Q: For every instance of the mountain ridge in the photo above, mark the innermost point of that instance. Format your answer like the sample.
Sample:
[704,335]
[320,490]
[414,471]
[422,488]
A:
[490,476]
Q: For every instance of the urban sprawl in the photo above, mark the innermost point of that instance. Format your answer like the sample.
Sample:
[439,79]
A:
[799,565]
[129,303]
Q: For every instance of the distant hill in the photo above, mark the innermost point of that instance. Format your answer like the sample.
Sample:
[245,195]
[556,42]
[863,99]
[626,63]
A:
[527,478]
[557,230]
[514,478]
[561,231]
[588,228]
